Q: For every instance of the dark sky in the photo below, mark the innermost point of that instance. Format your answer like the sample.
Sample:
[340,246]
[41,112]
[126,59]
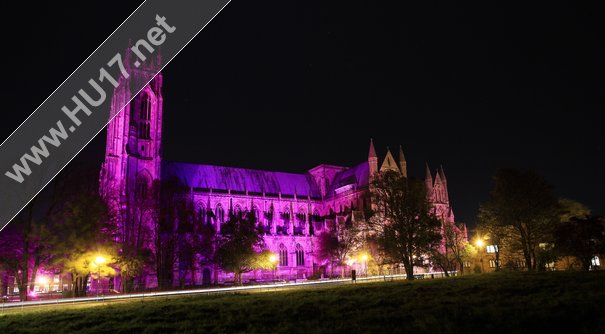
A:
[287,85]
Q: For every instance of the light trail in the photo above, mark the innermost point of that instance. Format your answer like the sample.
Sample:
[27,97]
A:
[13,305]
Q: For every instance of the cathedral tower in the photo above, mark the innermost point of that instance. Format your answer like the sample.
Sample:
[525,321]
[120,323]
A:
[133,154]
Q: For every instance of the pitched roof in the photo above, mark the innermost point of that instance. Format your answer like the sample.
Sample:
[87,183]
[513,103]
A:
[241,179]
[389,163]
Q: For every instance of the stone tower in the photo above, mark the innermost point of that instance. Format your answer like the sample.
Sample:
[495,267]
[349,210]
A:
[438,194]
[133,154]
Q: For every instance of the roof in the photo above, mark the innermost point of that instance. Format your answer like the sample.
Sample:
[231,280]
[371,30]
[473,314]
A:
[358,175]
[241,179]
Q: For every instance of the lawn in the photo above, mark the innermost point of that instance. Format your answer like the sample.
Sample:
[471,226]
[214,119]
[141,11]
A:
[493,303]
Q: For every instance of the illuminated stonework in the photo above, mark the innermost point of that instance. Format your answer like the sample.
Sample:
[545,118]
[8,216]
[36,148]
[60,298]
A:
[293,209]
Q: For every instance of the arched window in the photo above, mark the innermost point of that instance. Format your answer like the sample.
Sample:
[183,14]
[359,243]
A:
[145,117]
[238,211]
[317,222]
[301,217]
[141,188]
[145,112]
[300,256]
[283,256]
[254,211]
[220,213]
[201,213]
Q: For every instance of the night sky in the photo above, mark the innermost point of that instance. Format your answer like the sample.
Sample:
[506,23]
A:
[288,85]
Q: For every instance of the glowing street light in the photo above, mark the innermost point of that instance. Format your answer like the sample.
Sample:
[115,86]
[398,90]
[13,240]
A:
[44,282]
[99,261]
[480,244]
[273,259]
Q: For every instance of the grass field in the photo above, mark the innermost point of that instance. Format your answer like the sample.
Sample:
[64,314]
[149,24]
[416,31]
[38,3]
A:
[495,303]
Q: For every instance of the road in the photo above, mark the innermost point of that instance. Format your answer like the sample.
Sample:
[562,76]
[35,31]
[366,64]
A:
[17,306]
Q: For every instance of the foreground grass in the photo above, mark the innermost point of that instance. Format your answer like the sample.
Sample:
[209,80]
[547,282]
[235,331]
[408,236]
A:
[546,302]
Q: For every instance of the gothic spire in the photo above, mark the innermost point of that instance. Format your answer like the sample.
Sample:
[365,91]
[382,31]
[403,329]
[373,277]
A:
[372,159]
[401,155]
[372,153]
[446,195]
[428,180]
[403,165]
[442,173]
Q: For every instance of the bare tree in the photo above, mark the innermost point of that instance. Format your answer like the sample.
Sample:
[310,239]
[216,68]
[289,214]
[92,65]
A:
[404,221]
[454,249]
[339,244]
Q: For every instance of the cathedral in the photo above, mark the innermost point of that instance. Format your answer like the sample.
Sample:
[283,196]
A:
[292,209]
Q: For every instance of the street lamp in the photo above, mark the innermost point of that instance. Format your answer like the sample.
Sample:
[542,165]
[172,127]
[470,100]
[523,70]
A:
[99,261]
[480,244]
[273,260]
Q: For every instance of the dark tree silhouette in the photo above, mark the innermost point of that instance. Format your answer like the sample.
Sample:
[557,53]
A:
[525,202]
[403,219]
[239,244]
[583,238]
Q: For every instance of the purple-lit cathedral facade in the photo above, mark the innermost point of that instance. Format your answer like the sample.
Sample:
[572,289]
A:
[292,209]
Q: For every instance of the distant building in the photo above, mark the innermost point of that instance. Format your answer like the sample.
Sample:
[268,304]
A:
[491,258]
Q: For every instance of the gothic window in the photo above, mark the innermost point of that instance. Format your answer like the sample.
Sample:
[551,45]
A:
[145,117]
[283,256]
[317,221]
[144,130]
[145,112]
[220,213]
[238,211]
[141,188]
[201,213]
[254,211]
[302,218]
[300,256]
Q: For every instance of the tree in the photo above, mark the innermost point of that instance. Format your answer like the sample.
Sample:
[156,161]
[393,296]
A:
[454,249]
[523,201]
[238,244]
[503,237]
[83,231]
[139,214]
[376,255]
[165,230]
[25,243]
[570,209]
[339,244]
[403,219]
[582,238]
